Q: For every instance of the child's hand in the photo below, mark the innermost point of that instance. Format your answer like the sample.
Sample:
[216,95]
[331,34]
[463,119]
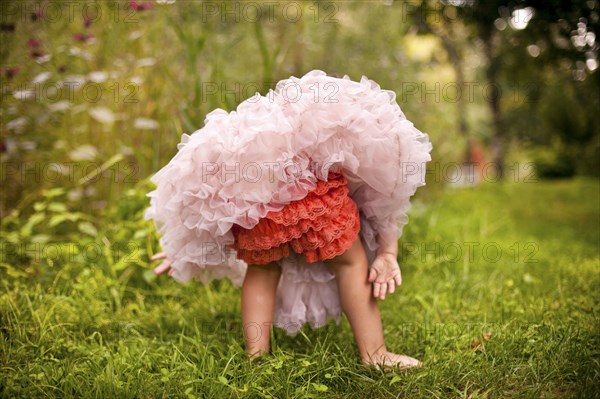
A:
[164,266]
[385,275]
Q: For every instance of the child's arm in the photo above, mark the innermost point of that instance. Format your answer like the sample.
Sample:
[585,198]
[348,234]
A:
[387,248]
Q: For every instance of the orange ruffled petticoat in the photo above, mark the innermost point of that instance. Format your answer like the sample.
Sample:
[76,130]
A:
[322,225]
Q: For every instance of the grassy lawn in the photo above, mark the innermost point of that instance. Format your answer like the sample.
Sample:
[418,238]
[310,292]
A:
[501,298]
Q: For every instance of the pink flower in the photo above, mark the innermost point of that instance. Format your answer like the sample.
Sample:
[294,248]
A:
[82,37]
[87,21]
[34,43]
[11,72]
[139,6]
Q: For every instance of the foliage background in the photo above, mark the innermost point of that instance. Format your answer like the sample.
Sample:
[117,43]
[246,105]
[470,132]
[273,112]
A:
[96,95]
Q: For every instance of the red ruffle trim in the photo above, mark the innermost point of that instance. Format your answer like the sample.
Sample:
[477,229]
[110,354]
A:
[321,226]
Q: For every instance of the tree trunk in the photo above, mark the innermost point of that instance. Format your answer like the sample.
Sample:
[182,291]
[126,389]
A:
[498,140]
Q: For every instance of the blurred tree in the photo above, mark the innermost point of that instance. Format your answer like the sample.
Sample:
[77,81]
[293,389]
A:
[451,33]
[561,58]
[447,32]
[525,43]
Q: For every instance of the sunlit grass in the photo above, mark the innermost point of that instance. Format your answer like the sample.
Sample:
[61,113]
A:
[86,329]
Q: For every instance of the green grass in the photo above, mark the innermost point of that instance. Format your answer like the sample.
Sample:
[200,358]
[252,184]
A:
[81,313]
[104,328]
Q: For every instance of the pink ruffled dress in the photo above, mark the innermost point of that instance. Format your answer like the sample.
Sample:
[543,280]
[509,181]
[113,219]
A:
[292,177]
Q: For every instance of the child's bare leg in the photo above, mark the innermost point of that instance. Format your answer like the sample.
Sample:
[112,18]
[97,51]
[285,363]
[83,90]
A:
[361,308]
[258,306]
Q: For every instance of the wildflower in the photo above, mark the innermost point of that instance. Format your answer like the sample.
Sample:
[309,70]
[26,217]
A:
[24,94]
[145,62]
[34,43]
[139,6]
[77,52]
[37,15]
[73,81]
[98,76]
[87,21]
[103,115]
[58,106]
[17,125]
[41,77]
[86,152]
[75,194]
[36,54]
[28,145]
[8,146]
[82,37]
[10,73]
[126,150]
[43,58]
[136,80]
[145,123]
[136,34]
